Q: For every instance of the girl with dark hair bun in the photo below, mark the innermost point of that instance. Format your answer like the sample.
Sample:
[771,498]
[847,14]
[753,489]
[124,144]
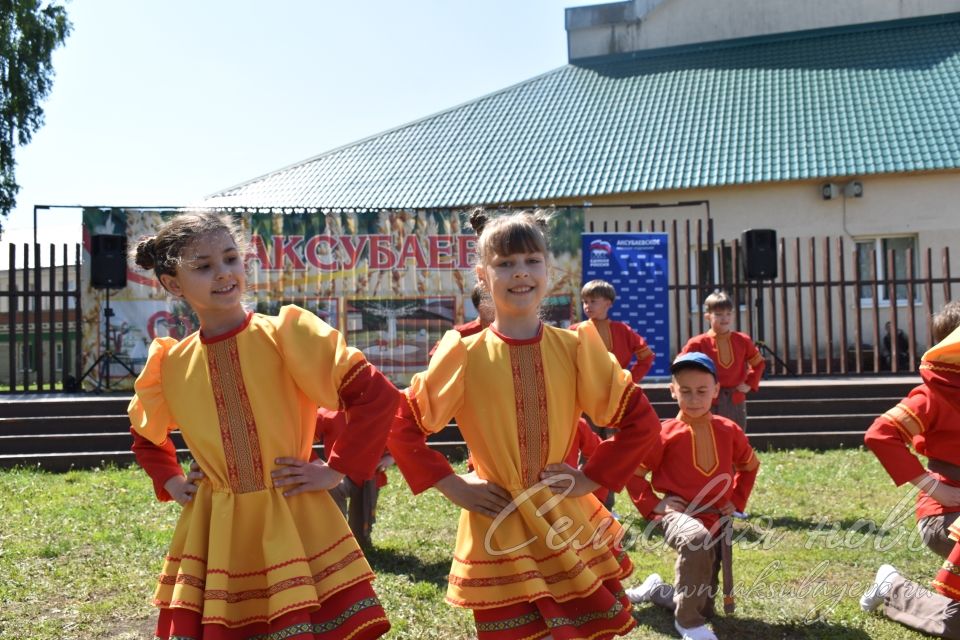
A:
[260,550]
[537,556]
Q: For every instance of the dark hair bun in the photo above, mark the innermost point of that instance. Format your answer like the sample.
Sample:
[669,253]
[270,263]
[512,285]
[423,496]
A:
[542,218]
[478,220]
[146,255]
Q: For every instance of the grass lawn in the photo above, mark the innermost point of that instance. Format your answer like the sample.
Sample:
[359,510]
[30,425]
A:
[79,553]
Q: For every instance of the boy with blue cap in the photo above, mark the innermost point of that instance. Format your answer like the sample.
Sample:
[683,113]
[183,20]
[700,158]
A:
[705,468]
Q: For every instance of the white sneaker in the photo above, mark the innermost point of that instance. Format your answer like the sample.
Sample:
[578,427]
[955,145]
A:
[703,632]
[642,593]
[874,596]
[741,515]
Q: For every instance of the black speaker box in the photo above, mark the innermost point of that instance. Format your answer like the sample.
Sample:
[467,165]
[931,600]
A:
[758,249]
[108,267]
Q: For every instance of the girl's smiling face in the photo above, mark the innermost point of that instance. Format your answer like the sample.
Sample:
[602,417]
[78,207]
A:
[211,275]
[517,283]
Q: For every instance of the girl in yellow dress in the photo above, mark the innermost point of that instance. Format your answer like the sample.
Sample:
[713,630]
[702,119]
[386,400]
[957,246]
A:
[260,550]
[537,556]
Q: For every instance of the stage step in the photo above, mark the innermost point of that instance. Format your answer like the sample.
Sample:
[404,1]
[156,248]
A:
[60,432]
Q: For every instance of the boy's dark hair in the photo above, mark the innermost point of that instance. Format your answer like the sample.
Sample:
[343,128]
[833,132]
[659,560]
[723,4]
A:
[476,296]
[718,301]
[599,289]
[946,321]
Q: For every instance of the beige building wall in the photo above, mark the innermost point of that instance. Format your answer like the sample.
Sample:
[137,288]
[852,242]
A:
[646,24]
[924,206]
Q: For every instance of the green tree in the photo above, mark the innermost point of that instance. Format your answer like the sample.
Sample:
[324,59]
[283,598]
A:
[29,32]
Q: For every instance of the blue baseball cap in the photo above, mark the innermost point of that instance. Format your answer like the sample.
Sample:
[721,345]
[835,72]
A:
[693,360]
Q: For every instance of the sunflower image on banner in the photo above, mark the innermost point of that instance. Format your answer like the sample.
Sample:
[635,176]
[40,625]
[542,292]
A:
[393,281]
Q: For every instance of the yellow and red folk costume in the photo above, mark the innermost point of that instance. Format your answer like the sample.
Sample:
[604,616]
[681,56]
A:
[245,560]
[706,461]
[625,344]
[928,419]
[529,573]
[585,442]
[737,358]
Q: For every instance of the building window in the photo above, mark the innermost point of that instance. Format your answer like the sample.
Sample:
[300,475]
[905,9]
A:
[872,254]
[26,357]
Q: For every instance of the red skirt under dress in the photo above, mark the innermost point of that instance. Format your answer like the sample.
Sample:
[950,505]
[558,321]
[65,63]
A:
[352,614]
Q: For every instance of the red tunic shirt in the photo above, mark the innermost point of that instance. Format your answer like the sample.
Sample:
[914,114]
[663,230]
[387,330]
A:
[738,360]
[625,344]
[706,461]
[330,426]
[585,442]
[927,420]
[465,329]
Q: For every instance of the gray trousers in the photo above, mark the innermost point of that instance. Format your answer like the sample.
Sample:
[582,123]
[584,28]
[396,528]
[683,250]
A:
[696,571]
[915,606]
[358,504]
[726,408]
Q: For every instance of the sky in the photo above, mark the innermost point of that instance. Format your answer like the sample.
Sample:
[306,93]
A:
[163,103]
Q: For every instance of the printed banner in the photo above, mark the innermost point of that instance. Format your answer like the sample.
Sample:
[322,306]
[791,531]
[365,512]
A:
[393,281]
[636,265]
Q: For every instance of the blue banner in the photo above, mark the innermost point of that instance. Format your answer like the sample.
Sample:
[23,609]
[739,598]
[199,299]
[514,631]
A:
[636,265]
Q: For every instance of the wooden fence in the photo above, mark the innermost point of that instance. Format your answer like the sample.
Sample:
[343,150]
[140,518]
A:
[821,315]
[40,320]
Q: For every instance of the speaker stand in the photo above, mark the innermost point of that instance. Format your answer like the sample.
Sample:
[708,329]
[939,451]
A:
[761,345]
[106,356]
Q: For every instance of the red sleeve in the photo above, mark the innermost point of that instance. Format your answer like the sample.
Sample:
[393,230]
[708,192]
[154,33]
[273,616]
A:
[890,435]
[693,344]
[639,488]
[421,466]
[645,356]
[755,364]
[158,460]
[745,468]
[370,400]
[617,457]
[589,440]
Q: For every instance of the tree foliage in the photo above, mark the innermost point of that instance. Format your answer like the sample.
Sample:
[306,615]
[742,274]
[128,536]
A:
[29,32]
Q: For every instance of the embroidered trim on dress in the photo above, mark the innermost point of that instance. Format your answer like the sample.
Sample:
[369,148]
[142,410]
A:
[238,428]
[531,407]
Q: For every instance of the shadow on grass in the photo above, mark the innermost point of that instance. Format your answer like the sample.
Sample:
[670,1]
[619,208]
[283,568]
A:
[743,628]
[861,526]
[400,563]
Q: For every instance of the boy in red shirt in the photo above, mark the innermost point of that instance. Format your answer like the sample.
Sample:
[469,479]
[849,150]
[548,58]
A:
[626,345]
[705,468]
[623,342]
[739,363]
[928,420]
[357,499]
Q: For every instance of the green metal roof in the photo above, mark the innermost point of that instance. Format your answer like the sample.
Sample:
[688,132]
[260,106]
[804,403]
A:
[852,101]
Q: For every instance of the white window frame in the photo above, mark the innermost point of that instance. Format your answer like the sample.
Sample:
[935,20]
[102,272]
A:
[880,257]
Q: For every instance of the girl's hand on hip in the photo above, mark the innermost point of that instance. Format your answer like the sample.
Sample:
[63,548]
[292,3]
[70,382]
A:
[568,480]
[304,476]
[473,493]
[182,488]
